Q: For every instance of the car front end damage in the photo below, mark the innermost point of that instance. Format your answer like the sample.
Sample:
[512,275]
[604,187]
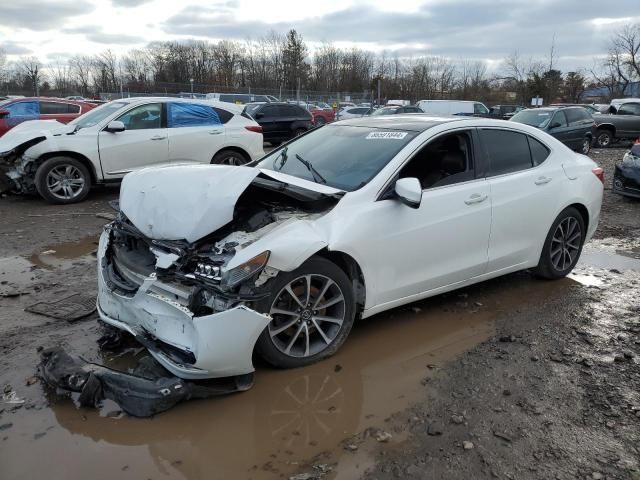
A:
[626,176]
[197,312]
[18,170]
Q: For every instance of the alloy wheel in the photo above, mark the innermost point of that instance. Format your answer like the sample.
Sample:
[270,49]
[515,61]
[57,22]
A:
[308,314]
[586,146]
[565,244]
[65,182]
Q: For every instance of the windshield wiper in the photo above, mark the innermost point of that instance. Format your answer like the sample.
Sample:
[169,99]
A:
[283,155]
[316,175]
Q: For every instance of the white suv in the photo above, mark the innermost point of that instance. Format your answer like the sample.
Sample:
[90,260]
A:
[61,162]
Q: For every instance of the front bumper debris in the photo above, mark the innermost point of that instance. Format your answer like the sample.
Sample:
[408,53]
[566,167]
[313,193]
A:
[157,314]
[148,392]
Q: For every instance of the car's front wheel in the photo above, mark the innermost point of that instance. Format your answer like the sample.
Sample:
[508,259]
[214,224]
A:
[563,245]
[585,148]
[62,180]
[312,310]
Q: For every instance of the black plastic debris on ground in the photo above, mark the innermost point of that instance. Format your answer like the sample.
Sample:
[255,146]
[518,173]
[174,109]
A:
[69,308]
[149,390]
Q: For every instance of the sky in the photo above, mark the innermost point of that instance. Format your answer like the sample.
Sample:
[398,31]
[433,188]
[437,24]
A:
[486,30]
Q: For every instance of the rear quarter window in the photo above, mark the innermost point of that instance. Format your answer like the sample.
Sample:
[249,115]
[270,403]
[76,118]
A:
[539,151]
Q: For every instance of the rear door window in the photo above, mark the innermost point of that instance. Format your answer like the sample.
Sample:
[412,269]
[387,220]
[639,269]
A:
[54,108]
[575,116]
[181,115]
[508,151]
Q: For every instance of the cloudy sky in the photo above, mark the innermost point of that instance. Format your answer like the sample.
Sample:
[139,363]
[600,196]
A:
[459,29]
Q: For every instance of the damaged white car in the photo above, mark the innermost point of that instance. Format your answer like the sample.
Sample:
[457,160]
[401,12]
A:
[207,264]
[61,162]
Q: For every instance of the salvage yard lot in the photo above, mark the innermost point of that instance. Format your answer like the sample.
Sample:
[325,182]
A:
[513,378]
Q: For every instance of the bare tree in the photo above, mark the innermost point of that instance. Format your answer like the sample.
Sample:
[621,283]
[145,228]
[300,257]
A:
[627,45]
[81,66]
[30,69]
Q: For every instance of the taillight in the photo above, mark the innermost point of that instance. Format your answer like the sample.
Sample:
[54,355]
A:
[599,172]
[254,128]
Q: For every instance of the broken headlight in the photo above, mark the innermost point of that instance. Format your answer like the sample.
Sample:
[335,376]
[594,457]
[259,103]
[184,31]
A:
[203,270]
[236,275]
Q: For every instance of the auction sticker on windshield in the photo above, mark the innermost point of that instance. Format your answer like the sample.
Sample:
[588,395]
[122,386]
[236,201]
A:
[386,135]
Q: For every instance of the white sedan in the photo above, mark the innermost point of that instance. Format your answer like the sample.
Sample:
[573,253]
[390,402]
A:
[61,162]
[206,264]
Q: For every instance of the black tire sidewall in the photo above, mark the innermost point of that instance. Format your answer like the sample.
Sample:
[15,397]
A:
[545,268]
[315,265]
[43,170]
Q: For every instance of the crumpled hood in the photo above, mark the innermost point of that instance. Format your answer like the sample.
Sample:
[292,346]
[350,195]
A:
[185,202]
[26,131]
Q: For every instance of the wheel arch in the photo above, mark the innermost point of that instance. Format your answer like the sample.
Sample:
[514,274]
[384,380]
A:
[584,213]
[233,148]
[353,270]
[76,156]
[607,126]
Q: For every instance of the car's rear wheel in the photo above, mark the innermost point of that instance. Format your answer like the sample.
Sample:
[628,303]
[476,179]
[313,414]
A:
[312,310]
[604,138]
[563,245]
[62,180]
[229,157]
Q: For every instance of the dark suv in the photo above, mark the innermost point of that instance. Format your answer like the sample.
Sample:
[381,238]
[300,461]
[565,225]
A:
[280,121]
[573,126]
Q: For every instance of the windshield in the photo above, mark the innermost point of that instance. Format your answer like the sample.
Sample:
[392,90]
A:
[340,156]
[97,115]
[252,108]
[535,118]
[385,111]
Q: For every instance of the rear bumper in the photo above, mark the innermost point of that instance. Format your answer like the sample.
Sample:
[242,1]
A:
[211,346]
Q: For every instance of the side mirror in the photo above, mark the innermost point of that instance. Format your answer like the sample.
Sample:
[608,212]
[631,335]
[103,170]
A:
[4,113]
[555,125]
[409,191]
[115,127]
[259,115]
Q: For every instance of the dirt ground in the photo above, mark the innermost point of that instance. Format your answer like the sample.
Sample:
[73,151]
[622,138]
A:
[514,378]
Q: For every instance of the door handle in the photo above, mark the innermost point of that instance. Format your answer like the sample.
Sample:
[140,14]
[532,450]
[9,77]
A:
[542,180]
[215,132]
[158,137]
[476,198]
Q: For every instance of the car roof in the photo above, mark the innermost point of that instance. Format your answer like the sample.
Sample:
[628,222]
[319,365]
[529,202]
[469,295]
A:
[47,99]
[414,122]
[201,101]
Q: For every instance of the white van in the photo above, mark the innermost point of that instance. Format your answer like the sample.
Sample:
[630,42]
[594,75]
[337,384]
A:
[453,107]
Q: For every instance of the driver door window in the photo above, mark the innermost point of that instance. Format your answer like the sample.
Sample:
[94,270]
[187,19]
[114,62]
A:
[144,117]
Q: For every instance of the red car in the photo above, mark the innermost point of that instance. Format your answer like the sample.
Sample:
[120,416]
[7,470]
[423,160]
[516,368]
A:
[17,110]
[322,116]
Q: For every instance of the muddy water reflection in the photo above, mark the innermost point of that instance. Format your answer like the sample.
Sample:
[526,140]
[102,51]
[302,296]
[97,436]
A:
[289,416]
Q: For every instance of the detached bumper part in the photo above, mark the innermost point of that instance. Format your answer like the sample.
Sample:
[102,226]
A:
[157,315]
[143,395]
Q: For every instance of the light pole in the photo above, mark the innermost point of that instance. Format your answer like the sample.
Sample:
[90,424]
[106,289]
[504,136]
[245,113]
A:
[191,81]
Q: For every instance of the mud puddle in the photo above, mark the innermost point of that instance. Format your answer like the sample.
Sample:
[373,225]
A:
[18,272]
[290,416]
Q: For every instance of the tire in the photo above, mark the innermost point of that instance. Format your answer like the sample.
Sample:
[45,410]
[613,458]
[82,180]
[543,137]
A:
[562,236]
[320,121]
[585,148]
[298,132]
[229,157]
[303,337]
[604,138]
[62,180]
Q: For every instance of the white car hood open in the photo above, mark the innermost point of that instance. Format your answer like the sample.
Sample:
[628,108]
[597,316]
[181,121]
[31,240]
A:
[25,131]
[185,202]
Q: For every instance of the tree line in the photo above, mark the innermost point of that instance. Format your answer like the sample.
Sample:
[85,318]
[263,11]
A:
[283,64]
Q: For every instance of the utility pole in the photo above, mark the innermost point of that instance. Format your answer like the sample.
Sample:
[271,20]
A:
[378,92]
[191,81]
[298,91]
